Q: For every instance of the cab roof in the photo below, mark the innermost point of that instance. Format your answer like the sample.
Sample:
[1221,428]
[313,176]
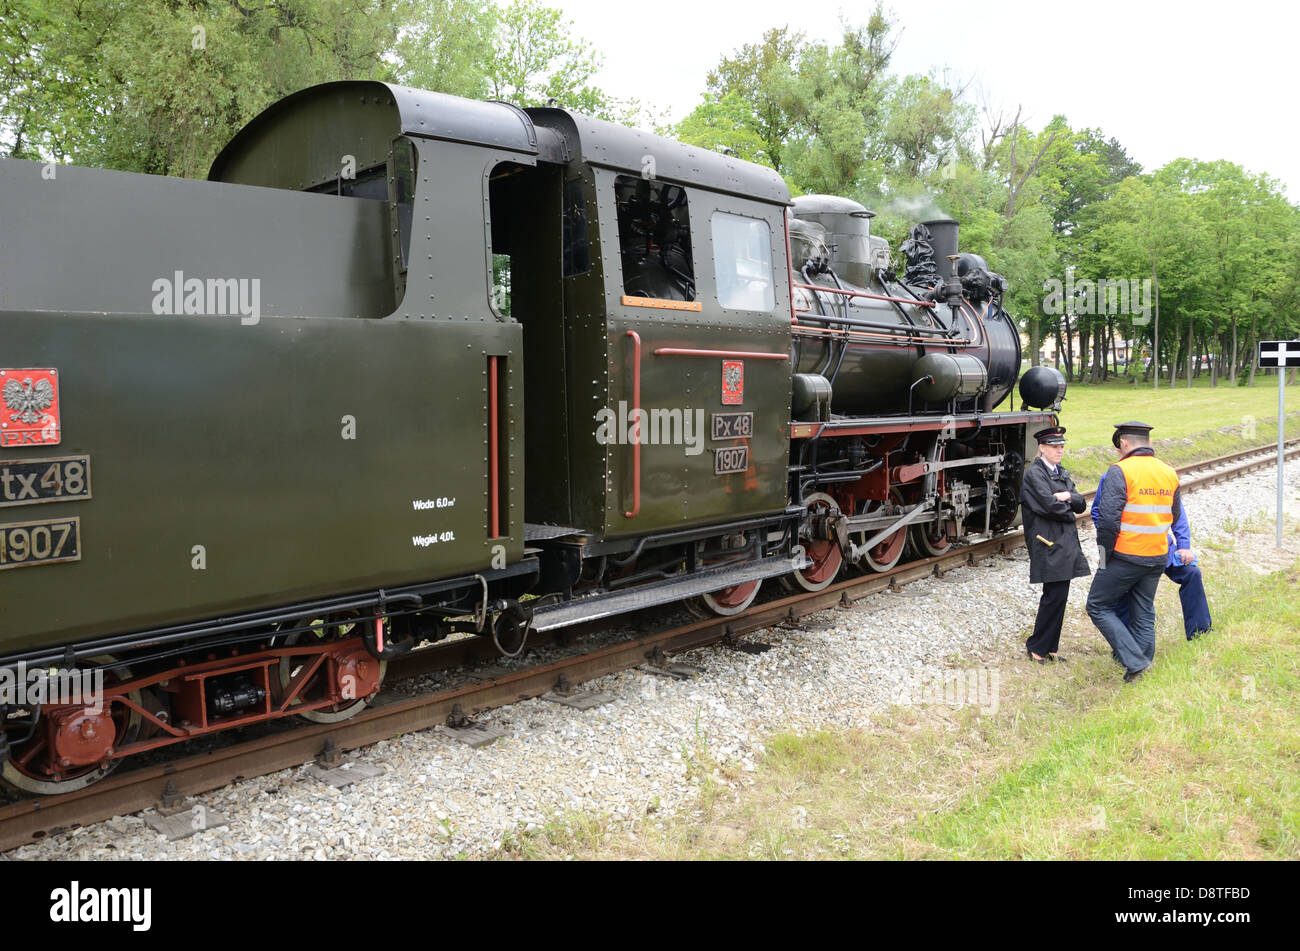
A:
[301,141]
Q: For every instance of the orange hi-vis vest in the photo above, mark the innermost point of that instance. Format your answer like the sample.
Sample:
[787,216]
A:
[1149,508]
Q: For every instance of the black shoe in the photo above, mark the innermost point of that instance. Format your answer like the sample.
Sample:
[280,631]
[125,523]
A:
[1036,660]
[1133,675]
[1057,658]
[1195,634]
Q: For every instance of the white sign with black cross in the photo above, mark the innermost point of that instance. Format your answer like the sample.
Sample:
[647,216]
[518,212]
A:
[1279,354]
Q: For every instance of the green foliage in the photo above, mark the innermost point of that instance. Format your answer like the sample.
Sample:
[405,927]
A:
[1220,245]
[161,85]
[536,59]
[446,45]
[763,76]
[158,86]
[722,124]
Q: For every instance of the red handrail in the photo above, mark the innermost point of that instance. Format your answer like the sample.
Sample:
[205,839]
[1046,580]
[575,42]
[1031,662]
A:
[493,474]
[636,408]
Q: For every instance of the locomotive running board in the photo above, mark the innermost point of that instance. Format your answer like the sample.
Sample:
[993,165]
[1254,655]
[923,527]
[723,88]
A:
[661,592]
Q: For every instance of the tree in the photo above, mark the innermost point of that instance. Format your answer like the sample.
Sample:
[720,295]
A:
[160,85]
[446,46]
[763,76]
[534,60]
[813,106]
[722,125]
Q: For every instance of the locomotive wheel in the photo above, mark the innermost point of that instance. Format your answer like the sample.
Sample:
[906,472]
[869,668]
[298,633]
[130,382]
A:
[334,627]
[886,553]
[22,770]
[726,602]
[825,556]
[931,539]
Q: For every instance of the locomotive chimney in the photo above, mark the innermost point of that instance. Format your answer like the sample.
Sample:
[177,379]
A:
[943,238]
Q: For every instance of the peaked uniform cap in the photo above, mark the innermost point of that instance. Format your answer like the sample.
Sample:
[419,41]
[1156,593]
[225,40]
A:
[1130,429]
[1051,436]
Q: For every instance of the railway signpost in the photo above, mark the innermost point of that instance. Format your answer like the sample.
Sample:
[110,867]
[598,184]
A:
[1279,354]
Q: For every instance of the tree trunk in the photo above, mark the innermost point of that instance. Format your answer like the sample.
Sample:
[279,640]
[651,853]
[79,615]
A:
[1083,350]
[1067,351]
[1035,331]
[1175,357]
[1250,349]
[1114,351]
[1155,337]
[1232,364]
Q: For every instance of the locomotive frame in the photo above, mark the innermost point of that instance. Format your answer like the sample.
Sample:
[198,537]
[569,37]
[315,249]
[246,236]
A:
[475,323]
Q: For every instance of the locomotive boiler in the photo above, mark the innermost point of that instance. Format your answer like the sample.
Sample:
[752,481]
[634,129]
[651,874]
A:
[902,336]
[408,366]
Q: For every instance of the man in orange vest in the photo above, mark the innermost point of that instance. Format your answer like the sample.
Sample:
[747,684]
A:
[1137,504]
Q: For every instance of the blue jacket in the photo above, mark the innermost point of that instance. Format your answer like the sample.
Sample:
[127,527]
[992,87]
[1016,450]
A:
[1180,535]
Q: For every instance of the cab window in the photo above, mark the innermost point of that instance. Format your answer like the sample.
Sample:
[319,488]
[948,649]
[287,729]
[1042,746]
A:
[654,234]
[742,261]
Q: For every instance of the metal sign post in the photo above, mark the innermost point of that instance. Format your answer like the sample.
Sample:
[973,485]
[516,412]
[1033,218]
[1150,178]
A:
[1280,354]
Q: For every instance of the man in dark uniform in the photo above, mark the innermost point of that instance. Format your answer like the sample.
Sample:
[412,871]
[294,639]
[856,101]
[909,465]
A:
[1137,504]
[1049,502]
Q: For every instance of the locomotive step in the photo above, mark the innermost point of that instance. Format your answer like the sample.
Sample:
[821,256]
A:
[661,592]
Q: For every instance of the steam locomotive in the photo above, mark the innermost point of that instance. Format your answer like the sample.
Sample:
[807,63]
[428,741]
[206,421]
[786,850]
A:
[408,365]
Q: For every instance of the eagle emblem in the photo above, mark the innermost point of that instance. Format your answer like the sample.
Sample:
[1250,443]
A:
[733,382]
[27,399]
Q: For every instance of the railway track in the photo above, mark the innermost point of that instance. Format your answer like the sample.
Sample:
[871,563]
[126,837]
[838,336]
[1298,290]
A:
[168,784]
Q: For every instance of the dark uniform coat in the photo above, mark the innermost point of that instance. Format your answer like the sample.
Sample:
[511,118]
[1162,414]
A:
[1054,521]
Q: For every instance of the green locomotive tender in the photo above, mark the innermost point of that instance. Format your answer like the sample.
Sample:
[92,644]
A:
[406,358]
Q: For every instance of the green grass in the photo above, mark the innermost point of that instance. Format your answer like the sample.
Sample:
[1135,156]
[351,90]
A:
[1195,761]
[1191,425]
[1089,412]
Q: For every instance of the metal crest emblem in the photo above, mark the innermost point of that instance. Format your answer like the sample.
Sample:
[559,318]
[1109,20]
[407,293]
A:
[733,382]
[31,408]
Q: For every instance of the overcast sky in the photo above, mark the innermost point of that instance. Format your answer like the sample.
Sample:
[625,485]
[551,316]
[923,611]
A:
[1206,80]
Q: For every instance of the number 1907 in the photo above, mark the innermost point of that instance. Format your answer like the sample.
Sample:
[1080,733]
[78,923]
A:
[35,543]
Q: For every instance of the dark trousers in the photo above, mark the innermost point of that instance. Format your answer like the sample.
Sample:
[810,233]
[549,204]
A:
[1191,592]
[1051,615]
[1134,643]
